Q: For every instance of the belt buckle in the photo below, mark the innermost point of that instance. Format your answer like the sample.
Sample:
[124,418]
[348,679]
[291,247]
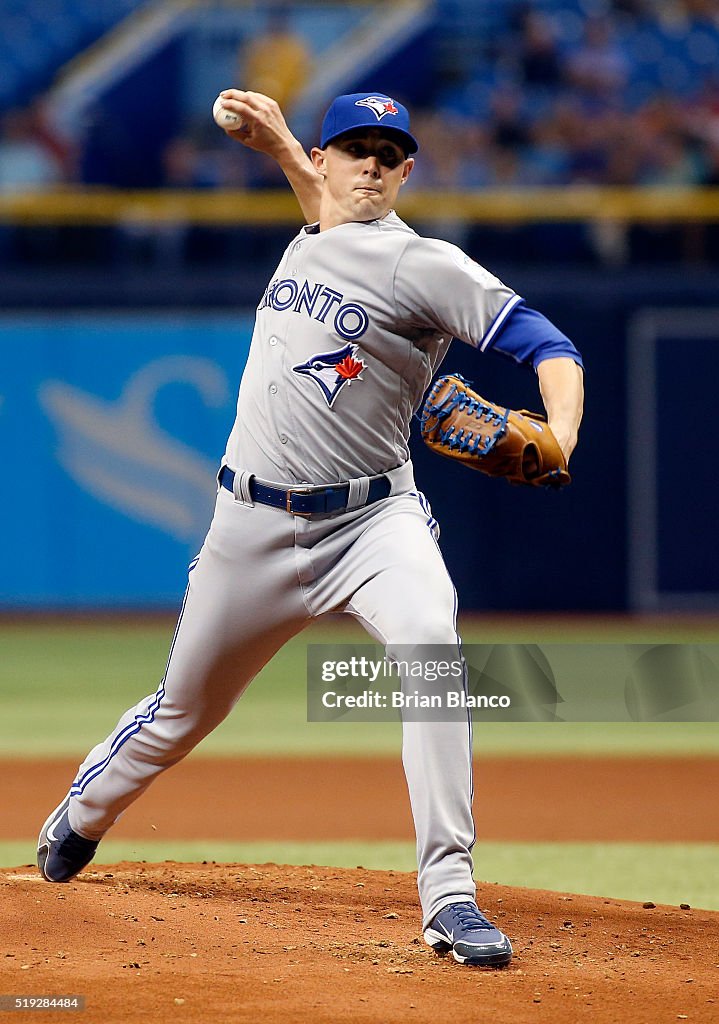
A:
[297,490]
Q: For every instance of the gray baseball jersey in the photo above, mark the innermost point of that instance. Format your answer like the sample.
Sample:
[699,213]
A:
[348,335]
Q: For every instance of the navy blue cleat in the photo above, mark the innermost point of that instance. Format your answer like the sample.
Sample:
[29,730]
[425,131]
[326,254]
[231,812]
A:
[61,853]
[473,939]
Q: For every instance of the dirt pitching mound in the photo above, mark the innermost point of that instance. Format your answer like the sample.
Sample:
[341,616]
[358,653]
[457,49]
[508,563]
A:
[232,942]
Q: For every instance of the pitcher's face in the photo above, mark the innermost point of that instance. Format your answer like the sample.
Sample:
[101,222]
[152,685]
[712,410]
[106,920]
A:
[363,171]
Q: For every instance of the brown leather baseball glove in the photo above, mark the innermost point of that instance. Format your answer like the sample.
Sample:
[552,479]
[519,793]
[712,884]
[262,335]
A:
[518,445]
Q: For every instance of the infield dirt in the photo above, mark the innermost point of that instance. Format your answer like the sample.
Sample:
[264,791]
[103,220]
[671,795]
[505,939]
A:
[559,799]
[229,942]
[268,943]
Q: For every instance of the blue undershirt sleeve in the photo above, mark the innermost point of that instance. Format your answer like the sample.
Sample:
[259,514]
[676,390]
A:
[527,336]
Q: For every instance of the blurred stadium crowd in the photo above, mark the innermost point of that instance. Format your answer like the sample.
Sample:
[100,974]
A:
[620,93]
[548,93]
[510,95]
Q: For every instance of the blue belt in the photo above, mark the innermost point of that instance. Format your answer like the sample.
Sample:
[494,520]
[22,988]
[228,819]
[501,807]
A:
[307,501]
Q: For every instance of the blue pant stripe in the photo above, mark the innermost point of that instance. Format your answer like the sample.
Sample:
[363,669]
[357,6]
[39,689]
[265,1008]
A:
[131,729]
[431,521]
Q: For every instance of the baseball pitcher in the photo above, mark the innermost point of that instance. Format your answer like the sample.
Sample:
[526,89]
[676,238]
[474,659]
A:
[317,507]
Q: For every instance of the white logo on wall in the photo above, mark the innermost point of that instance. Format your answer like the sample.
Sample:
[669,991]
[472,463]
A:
[117,452]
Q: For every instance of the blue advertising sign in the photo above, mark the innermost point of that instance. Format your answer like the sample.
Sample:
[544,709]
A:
[112,428]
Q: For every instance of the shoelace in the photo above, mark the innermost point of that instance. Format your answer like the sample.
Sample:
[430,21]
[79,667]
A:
[468,916]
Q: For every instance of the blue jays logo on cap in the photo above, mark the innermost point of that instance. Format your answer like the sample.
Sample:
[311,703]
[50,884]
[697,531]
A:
[379,105]
[367,110]
[331,371]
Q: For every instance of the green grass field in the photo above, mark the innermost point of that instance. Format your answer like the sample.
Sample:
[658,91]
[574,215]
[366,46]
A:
[63,687]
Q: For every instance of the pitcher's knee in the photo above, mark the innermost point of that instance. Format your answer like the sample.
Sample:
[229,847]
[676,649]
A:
[426,628]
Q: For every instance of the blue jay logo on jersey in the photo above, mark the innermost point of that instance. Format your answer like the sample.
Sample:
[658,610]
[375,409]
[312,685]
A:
[331,371]
[379,105]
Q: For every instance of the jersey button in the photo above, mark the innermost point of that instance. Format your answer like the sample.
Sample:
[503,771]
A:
[273,389]
[273,340]
[283,439]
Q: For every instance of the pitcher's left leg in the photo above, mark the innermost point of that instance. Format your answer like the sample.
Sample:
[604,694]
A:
[407,599]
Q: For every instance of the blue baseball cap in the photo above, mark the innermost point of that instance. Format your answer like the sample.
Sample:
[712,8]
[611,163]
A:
[368,110]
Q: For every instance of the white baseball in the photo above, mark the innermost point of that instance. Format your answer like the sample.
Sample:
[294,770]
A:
[225,118]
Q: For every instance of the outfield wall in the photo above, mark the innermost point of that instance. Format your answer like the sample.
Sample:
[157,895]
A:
[113,424]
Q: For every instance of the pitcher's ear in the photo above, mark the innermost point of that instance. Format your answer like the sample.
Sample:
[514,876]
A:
[319,161]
